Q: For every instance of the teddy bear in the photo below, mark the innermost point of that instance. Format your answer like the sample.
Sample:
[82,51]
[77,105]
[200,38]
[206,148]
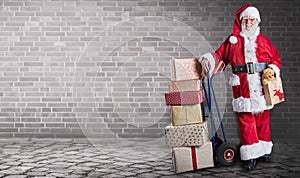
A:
[268,75]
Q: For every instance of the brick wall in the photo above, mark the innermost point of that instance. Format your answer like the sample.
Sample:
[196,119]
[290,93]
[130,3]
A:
[99,69]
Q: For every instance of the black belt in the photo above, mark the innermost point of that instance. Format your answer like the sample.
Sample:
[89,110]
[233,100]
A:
[249,68]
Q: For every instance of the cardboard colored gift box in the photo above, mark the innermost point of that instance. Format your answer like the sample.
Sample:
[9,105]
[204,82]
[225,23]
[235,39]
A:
[187,135]
[193,158]
[185,85]
[186,97]
[274,92]
[186,114]
[185,69]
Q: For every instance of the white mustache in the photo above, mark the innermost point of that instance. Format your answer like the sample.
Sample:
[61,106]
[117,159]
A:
[249,25]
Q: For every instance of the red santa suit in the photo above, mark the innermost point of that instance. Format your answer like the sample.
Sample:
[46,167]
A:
[248,97]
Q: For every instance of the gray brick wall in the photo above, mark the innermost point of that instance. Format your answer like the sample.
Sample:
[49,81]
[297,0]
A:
[99,69]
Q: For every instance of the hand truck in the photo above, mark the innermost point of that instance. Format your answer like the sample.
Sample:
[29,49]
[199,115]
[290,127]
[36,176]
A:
[225,153]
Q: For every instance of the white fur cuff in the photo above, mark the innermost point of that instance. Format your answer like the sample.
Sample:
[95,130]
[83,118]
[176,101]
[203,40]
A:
[234,80]
[241,104]
[255,150]
[211,60]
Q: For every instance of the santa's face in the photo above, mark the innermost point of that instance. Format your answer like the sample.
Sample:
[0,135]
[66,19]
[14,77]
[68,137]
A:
[249,23]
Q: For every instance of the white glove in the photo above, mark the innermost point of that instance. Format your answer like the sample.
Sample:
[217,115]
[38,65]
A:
[205,66]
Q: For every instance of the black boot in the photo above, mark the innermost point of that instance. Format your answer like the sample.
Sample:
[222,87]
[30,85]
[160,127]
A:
[266,158]
[250,164]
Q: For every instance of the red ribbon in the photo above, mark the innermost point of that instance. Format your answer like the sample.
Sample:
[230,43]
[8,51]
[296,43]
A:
[194,158]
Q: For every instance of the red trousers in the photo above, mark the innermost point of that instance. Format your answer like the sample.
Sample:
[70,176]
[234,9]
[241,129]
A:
[254,127]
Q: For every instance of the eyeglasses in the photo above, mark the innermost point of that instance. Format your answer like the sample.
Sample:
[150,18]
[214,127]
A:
[250,19]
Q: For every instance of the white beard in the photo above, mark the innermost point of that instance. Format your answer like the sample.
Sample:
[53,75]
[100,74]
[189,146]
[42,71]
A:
[252,33]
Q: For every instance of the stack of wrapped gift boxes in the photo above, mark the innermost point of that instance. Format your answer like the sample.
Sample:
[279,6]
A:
[188,132]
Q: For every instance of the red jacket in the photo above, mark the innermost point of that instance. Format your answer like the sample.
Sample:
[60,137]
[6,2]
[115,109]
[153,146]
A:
[247,88]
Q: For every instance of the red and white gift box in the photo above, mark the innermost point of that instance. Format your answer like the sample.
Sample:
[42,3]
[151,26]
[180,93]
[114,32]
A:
[183,98]
[185,69]
[193,158]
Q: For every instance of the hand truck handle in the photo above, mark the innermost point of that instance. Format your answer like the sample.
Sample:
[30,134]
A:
[220,67]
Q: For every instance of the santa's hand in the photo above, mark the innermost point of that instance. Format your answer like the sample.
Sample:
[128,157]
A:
[205,66]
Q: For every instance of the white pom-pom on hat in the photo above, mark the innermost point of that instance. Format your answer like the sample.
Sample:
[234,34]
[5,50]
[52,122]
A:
[233,39]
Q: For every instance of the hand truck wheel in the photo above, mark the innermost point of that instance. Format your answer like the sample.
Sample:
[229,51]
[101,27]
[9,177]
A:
[227,154]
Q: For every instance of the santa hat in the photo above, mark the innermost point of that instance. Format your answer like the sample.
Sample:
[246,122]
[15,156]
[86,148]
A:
[252,12]
[246,10]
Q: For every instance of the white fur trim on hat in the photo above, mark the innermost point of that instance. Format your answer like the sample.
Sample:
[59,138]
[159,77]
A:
[252,12]
[233,40]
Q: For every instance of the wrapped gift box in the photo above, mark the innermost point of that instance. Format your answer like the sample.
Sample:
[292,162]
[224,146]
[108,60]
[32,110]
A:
[193,158]
[274,92]
[187,135]
[186,97]
[185,69]
[185,85]
[186,114]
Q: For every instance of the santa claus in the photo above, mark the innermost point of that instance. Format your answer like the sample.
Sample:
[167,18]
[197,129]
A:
[249,53]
